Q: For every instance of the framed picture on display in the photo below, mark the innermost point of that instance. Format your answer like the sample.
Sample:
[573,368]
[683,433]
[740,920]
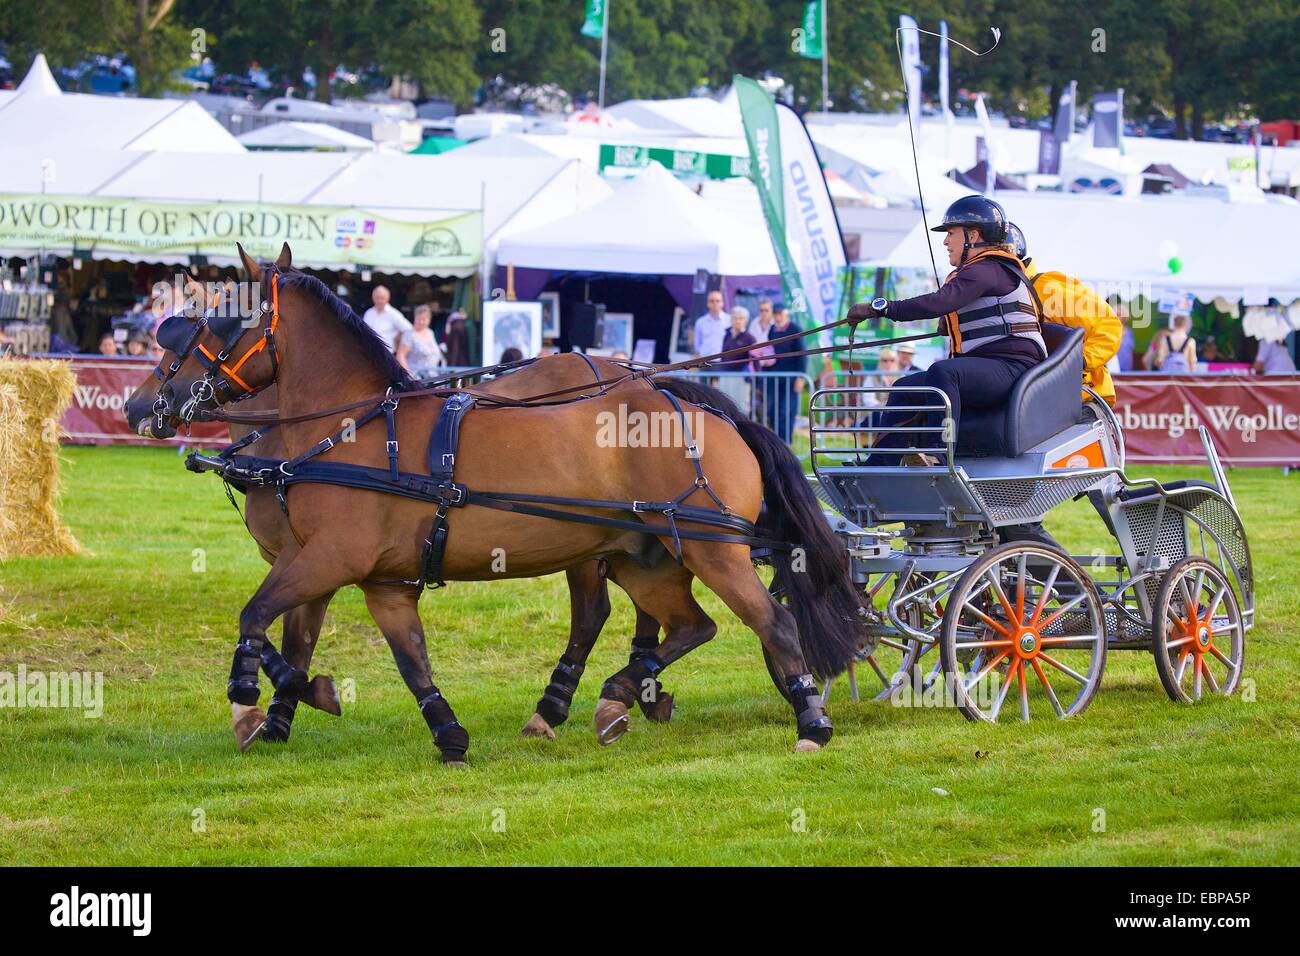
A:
[617,333]
[550,314]
[511,325]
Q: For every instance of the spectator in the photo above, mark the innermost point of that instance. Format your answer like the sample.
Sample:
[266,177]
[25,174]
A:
[710,328]
[107,344]
[455,340]
[737,337]
[389,324]
[1122,361]
[788,387]
[511,354]
[761,327]
[1174,351]
[1274,358]
[137,344]
[424,354]
[906,359]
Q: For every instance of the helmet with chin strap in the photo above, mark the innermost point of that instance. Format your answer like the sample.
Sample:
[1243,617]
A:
[1016,240]
[980,213]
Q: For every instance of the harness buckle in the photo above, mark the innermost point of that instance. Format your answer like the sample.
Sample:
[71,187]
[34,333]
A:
[449,460]
[459,491]
[392,446]
[642,507]
[325,444]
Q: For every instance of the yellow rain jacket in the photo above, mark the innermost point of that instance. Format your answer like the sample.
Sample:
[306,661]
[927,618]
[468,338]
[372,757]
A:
[1071,302]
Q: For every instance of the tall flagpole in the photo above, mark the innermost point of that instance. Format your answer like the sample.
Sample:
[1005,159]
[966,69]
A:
[604,46]
[825,60]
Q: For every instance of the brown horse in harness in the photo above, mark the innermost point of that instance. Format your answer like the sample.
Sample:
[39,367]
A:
[269,527]
[542,486]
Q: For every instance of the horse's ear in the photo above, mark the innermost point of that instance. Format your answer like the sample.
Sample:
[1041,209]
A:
[285,261]
[250,264]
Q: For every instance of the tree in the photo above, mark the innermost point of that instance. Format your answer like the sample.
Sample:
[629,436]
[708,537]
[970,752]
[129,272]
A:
[430,41]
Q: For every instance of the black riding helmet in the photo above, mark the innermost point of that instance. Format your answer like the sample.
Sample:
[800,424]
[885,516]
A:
[1016,240]
[980,213]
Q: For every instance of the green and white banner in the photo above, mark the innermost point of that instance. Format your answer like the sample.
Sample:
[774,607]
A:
[679,162]
[796,204]
[322,235]
[594,24]
[813,38]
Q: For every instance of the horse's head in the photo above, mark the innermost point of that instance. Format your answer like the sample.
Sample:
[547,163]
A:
[220,357]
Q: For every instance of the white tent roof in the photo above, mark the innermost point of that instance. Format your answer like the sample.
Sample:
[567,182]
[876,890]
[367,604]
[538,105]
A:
[38,114]
[1234,250]
[302,135]
[687,116]
[652,224]
[514,193]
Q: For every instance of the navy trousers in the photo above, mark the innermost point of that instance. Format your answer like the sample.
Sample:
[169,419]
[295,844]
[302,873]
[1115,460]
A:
[969,381]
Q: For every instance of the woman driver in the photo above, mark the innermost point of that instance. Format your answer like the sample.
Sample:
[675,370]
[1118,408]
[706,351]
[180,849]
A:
[991,316]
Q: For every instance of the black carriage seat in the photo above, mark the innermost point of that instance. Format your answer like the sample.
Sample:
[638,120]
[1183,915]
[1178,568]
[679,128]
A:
[1044,402]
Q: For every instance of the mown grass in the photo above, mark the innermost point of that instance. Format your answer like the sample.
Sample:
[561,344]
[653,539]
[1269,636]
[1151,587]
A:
[1214,783]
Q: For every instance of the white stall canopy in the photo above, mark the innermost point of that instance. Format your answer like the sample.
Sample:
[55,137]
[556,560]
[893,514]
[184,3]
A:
[651,225]
[1231,250]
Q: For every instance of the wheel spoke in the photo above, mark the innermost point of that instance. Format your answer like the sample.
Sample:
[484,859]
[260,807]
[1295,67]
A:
[1002,693]
[1024,690]
[1180,641]
[988,620]
[1209,676]
[1020,585]
[1047,686]
[1227,662]
[971,682]
[1064,669]
[1045,596]
[1070,639]
[1182,664]
[1218,598]
[962,645]
[1064,608]
[871,659]
[997,589]
[1196,677]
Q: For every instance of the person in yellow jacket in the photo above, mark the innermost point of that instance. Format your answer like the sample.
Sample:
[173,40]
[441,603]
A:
[1068,301]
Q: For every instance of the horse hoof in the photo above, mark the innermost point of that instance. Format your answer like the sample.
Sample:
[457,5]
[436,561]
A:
[611,721]
[805,746]
[538,727]
[457,763]
[249,722]
[660,711]
[323,695]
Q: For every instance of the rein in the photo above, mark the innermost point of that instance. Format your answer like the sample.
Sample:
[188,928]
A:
[442,387]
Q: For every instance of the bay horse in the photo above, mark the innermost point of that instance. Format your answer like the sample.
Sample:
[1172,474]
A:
[316,350]
[269,527]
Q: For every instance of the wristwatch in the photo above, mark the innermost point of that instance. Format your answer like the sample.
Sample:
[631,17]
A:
[879,304]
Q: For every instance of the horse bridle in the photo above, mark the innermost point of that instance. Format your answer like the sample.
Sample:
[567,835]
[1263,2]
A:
[216,384]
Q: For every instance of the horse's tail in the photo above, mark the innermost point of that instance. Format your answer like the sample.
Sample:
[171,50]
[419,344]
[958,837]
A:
[814,576]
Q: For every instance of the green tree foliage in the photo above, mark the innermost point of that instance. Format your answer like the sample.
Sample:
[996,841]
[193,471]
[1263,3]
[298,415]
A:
[1198,60]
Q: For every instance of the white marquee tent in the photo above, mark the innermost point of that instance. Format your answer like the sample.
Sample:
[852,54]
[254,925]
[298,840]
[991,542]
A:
[40,115]
[652,224]
[1230,250]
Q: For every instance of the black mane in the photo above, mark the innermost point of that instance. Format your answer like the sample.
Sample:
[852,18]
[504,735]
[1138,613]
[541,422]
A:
[371,345]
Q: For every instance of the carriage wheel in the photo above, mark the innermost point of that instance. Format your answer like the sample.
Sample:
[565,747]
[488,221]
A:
[1199,638]
[1028,615]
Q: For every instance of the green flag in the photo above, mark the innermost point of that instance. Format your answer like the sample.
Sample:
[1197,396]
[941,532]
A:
[594,25]
[812,31]
[758,114]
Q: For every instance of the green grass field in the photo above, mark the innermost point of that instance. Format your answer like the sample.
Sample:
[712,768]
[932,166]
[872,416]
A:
[157,778]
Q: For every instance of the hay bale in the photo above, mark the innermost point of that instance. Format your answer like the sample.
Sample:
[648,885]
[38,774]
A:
[33,398]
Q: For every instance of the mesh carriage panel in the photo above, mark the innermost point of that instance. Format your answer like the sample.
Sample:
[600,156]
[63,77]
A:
[1029,499]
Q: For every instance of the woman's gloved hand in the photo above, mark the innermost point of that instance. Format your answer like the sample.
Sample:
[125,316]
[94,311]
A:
[862,310]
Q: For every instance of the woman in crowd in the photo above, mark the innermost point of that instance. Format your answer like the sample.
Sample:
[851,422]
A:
[424,356]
